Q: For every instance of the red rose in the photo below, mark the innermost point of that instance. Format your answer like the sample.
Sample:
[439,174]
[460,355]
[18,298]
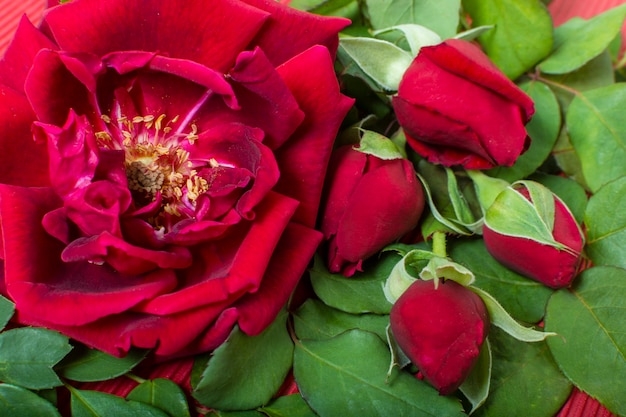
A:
[370,203]
[441,330]
[457,108]
[552,261]
[172,188]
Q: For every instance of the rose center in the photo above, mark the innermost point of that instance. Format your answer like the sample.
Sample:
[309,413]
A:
[157,165]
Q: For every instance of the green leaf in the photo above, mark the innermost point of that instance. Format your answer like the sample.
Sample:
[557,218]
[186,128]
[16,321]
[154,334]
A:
[543,130]
[598,133]
[361,293]
[347,376]
[17,401]
[500,317]
[578,42]
[380,146]
[315,320]
[7,308]
[440,16]
[606,225]
[381,61]
[567,160]
[594,74]
[511,45]
[288,406]
[87,365]
[247,413]
[163,394]
[27,355]
[246,371]
[525,380]
[86,403]
[523,298]
[476,386]
[591,347]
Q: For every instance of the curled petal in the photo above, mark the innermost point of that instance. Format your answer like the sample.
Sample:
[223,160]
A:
[124,257]
[190,29]
[77,293]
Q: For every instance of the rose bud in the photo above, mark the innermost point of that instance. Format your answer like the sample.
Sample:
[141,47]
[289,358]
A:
[531,231]
[370,203]
[441,330]
[457,108]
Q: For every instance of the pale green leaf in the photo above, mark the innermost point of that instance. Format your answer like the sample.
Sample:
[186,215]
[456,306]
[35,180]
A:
[591,346]
[440,16]
[510,44]
[605,220]
[578,41]
[595,121]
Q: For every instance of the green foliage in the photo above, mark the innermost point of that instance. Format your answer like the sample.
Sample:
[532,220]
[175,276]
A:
[511,45]
[347,376]
[28,354]
[589,319]
[246,371]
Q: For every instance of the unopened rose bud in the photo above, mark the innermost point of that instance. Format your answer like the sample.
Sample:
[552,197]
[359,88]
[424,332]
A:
[458,108]
[441,330]
[370,203]
[531,231]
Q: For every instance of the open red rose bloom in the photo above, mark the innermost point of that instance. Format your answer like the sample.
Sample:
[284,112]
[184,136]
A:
[162,167]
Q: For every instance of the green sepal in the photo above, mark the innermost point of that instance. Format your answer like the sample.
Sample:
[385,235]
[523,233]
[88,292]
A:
[443,268]
[400,278]
[398,357]
[476,385]
[461,208]
[430,267]
[382,62]
[500,317]
[471,34]
[487,188]
[511,214]
[417,36]
[380,146]
[434,211]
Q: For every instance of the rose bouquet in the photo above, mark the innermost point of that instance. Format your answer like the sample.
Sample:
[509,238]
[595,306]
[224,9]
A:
[356,208]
